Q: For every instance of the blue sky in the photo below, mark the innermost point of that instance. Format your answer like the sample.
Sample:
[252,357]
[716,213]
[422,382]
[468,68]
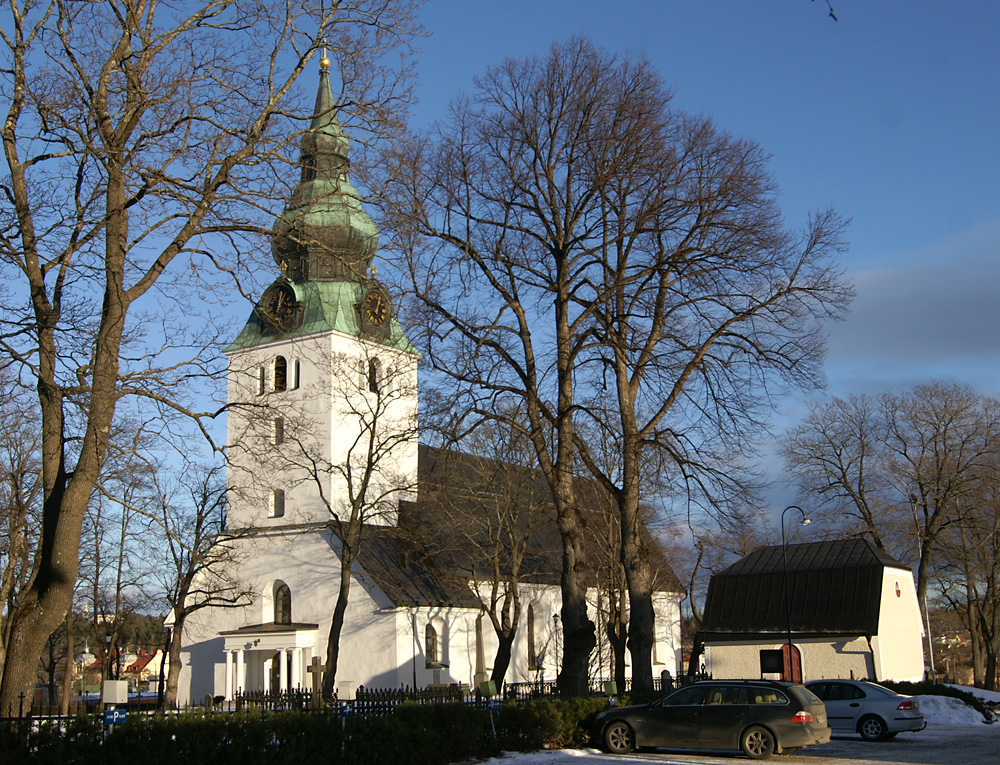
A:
[889,115]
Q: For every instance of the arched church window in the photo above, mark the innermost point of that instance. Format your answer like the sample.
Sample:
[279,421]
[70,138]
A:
[532,653]
[277,503]
[430,646]
[282,604]
[280,374]
[374,375]
[261,381]
[296,374]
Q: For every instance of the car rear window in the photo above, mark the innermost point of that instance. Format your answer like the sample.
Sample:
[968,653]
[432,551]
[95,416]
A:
[806,694]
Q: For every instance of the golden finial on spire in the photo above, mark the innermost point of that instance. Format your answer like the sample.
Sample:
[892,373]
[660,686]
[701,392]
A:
[324,62]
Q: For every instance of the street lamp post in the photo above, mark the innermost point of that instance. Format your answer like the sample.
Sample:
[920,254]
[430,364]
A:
[784,577]
[107,653]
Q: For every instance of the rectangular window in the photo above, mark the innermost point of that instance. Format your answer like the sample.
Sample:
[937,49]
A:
[277,503]
[278,431]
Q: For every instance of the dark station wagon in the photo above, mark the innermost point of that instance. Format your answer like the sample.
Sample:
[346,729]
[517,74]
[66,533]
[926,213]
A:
[758,717]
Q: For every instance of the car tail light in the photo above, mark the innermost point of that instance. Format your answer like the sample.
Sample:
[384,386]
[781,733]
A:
[905,704]
[802,717]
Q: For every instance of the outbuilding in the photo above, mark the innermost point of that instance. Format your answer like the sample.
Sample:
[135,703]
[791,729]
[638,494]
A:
[841,608]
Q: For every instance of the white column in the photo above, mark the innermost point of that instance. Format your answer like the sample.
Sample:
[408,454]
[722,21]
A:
[267,675]
[296,679]
[283,669]
[229,675]
[241,671]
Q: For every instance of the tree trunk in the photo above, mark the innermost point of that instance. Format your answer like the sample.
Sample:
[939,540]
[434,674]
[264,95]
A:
[502,659]
[173,659]
[639,576]
[579,635]
[67,683]
[696,651]
[337,626]
[617,639]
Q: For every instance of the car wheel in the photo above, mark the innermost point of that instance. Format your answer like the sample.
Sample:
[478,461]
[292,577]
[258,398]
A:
[757,743]
[619,738]
[872,728]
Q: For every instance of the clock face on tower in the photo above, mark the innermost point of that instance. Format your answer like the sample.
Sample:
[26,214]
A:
[281,307]
[376,307]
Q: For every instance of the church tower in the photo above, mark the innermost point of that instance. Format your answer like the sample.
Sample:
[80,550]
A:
[322,382]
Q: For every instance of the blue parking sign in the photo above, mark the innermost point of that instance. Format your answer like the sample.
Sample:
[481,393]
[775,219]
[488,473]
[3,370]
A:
[114,716]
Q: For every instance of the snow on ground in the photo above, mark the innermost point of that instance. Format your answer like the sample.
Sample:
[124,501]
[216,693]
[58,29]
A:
[984,695]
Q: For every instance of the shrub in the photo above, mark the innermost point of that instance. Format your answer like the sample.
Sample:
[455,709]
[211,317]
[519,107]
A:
[430,734]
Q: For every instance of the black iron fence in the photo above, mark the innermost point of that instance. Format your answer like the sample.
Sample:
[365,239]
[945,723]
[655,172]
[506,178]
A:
[377,702]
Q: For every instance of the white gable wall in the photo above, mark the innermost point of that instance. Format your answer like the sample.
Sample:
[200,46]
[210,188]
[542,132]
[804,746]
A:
[898,646]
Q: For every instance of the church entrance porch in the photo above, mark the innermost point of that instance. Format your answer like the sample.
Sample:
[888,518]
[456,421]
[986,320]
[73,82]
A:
[268,657]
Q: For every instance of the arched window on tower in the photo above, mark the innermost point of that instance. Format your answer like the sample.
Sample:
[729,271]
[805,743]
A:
[532,653]
[374,375]
[296,374]
[282,603]
[430,646]
[261,381]
[280,374]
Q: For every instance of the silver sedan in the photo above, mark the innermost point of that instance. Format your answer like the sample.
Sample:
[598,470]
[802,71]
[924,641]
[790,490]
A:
[857,706]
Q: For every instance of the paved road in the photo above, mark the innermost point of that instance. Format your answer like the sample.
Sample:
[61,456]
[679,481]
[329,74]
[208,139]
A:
[938,745]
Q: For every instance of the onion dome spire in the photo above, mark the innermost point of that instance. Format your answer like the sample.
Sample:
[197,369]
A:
[324,234]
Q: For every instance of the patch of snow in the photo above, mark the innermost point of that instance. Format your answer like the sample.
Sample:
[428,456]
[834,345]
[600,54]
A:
[979,692]
[943,710]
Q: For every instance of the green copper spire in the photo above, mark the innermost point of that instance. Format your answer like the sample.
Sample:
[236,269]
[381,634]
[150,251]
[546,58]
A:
[324,234]
[324,243]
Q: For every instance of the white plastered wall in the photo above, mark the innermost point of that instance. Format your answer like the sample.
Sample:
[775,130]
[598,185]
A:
[321,410]
[821,658]
[898,646]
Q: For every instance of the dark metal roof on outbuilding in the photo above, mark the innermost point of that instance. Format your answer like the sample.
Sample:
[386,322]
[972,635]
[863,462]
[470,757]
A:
[834,588]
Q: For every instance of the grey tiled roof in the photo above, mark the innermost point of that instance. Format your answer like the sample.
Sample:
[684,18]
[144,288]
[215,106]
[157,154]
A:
[430,557]
[400,565]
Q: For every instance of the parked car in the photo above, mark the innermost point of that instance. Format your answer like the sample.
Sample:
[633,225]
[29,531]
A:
[758,717]
[857,706]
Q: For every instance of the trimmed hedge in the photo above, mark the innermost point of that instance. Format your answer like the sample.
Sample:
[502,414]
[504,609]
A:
[430,734]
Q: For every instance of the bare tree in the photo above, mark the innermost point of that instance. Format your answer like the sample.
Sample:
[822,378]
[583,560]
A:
[901,468]
[574,239]
[968,572]
[141,137]
[480,513]
[837,459]
[199,558]
[20,498]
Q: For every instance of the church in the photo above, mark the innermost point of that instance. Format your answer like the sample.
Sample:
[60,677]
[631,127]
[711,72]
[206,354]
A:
[322,433]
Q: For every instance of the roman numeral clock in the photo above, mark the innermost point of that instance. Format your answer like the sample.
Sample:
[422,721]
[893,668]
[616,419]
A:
[376,310]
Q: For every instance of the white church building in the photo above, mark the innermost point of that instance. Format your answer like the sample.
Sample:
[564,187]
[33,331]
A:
[321,362]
